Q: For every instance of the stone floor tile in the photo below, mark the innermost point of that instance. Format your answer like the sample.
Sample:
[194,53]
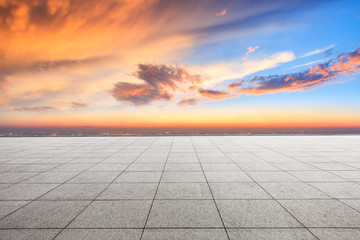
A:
[183,191]
[184,234]
[113,214]
[129,191]
[238,191]
[44,214]
[322,213]
[271,234]
[184,214]
[255,213]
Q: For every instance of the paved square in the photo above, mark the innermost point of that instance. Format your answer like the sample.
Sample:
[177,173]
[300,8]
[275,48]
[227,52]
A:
[182,187]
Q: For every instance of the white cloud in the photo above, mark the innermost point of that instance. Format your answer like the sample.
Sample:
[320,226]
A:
[317,51]
[307,64]
[217,73]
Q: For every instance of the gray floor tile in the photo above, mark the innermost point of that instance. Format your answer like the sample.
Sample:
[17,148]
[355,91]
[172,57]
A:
[295,166]
[184,234]
[271,234]
[296,190]
[272,176]
[316,176]
[183,191]
[227,177]
[7,207]
[255,213]
[3,185]
[73,167]
[75,192]
[28,234]
[146,177]
[322,213]
[44,214]
[25,191]
[146,167]
[183,214]
[183,167]
[332,166]
[192,159]
[36,167]
[95,177]
[216,167]
[99,234]
[110,167]
[258,166]
[336,233]
[354,203]
[14,177]
[183,177]
[129,191]
[349,175]
[113,214]
[51,177]
[238,191]
[339,189]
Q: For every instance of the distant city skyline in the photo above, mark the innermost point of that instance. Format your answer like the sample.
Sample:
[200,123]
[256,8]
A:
[178,64]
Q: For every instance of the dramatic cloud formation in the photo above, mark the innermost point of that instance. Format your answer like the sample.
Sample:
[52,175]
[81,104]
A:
[160,82]
[82,46]
[344,65]
[70,60]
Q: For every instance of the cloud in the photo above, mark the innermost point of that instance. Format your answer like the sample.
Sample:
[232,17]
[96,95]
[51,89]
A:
[251,49]
[160,83]
[219,72]
[79,105]
[41,108]
[317,51]
[236,84]
[345,64]
[213,94]
[188,102]
[307,64]
[139,94]
[221,13]
[38,61]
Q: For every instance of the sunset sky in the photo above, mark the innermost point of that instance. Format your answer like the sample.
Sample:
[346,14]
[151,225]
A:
[248,63]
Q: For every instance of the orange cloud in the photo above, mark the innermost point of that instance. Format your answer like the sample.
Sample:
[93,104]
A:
[251,49]
[221,13]
[188,102]
[213,94]
[160,82]
[41,108]
[79,105]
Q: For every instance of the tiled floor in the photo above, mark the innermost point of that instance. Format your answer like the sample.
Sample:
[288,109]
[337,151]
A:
[199,187]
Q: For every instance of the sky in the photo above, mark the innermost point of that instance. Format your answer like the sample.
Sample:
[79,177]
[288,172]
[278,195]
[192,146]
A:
[180,63]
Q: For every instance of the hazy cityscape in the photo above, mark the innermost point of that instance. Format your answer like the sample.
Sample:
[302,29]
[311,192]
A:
[121,131]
